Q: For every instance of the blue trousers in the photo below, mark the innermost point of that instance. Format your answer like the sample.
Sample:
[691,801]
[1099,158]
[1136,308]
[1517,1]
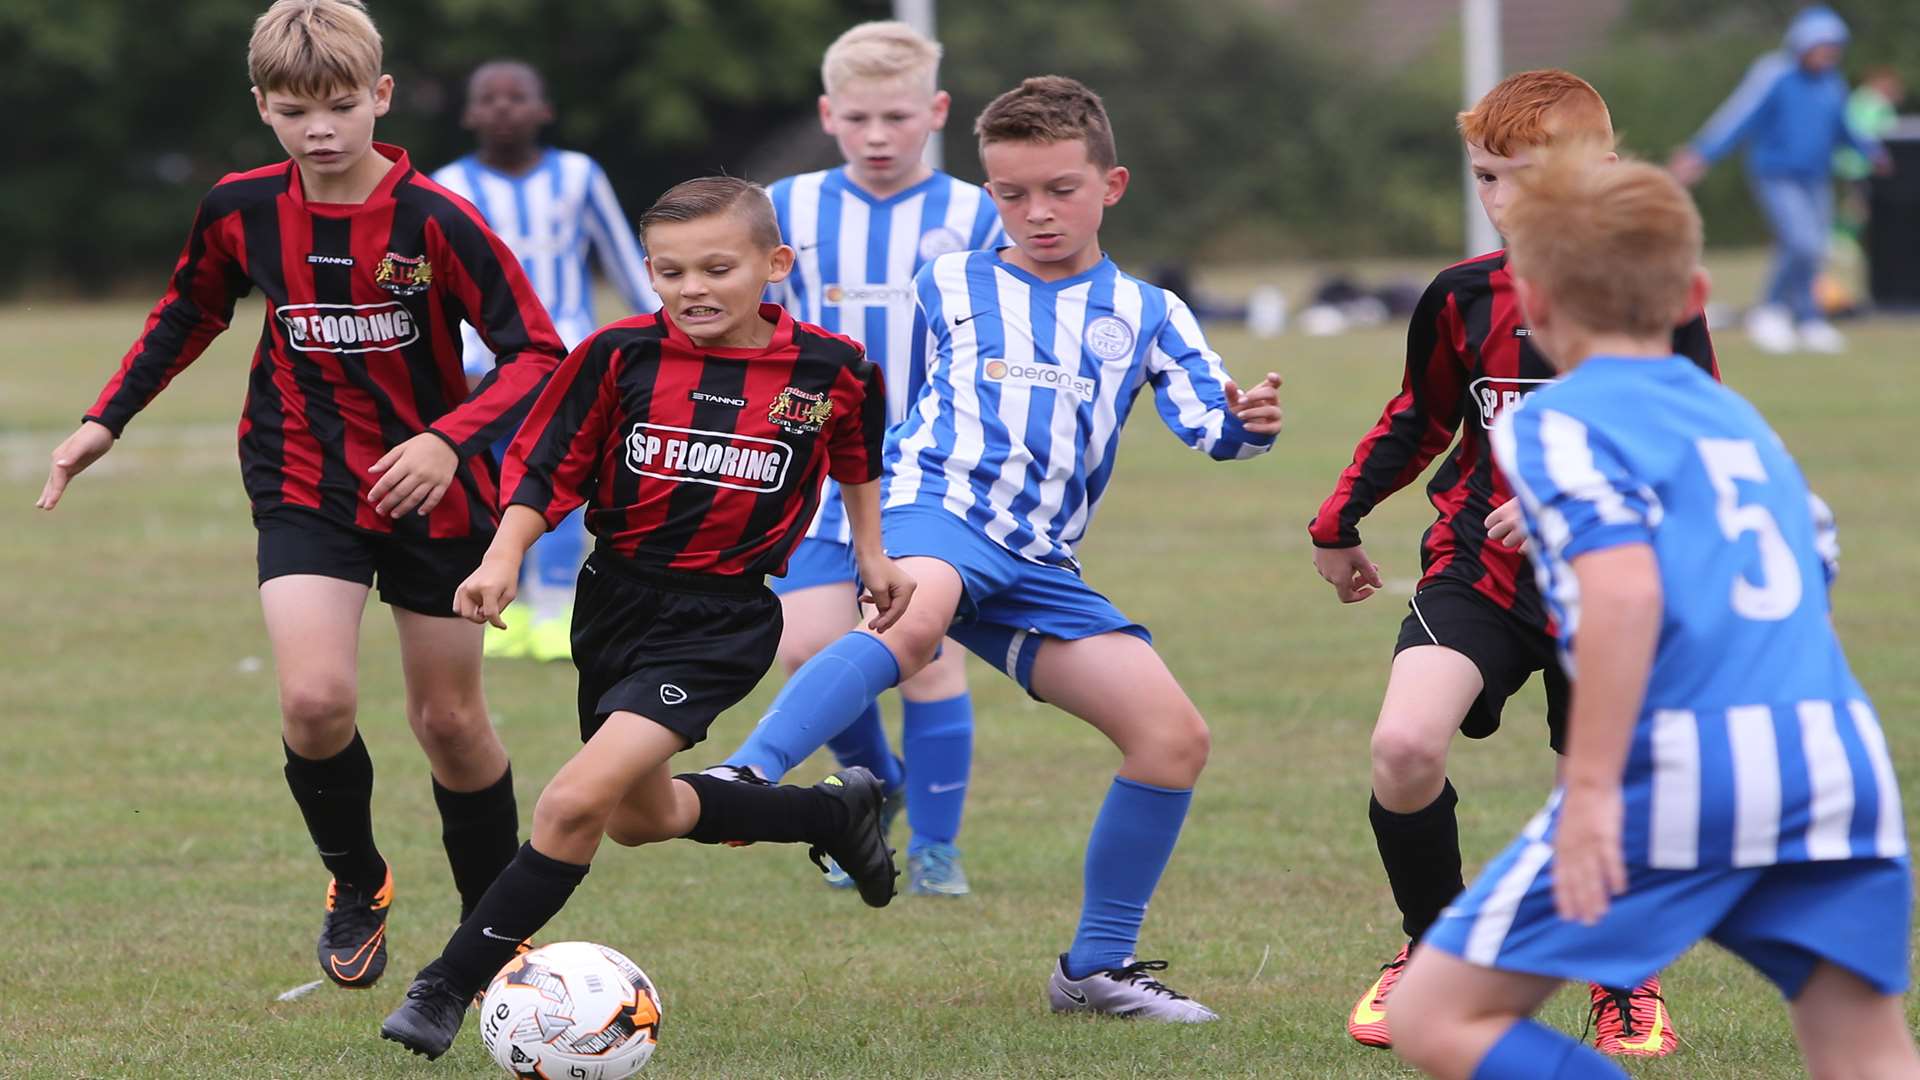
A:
[1799,209]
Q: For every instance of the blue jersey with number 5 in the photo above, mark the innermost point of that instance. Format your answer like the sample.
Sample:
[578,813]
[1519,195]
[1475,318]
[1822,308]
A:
[1755,744]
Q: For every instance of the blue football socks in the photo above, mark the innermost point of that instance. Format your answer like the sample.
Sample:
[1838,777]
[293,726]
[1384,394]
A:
[937,739]
[1529,1051]
[865,743]
[1131,842]
[820,701]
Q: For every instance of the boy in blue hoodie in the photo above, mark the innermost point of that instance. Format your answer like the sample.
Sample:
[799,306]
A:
[1791,112]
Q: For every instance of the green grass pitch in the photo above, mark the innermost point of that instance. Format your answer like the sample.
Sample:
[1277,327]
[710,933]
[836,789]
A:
[158,891]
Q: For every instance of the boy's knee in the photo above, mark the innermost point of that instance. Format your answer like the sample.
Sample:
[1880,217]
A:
[565,810]
[944,677]
[913,642]
[447,723]
[317,706]
[1408,750]
[800,640]
[1176,748]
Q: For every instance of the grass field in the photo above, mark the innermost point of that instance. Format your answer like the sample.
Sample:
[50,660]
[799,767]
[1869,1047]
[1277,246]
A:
[158,891]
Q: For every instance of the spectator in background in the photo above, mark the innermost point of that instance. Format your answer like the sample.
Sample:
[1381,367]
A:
[1791,113]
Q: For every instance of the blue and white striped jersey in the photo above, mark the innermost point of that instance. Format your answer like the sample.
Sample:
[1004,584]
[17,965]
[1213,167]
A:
[857,257]
[1755,745]
[550,217]
[1028,385]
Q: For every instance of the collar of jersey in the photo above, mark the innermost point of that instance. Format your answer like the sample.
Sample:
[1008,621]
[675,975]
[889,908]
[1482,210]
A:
[547,155]
[1104,266]
[773,313]
[383,194]
[845,183]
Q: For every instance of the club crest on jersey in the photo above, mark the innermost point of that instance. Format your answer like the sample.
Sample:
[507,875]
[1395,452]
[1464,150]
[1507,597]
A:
[939,241]
[1109,337]
[348,328]
[716,458]
[402,275]
[1493,396]
[799,412]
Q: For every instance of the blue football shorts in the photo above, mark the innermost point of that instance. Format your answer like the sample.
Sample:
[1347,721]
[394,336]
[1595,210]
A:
[1008,604]
[816,562]
[1783,919]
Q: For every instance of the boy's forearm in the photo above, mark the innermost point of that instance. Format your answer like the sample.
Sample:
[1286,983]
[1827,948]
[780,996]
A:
[520,526]
[863,519]
[1620,611]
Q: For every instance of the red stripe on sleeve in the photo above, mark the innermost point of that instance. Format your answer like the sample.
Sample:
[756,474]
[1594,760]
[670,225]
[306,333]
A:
[1415,427]
[197,306]
[512,321]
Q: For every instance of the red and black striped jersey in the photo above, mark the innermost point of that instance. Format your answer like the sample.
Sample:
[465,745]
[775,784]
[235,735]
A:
[361,347]
[1468,357]
[695,459]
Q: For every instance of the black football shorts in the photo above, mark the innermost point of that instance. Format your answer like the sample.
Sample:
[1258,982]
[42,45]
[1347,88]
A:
[676,648]
[1504,648]
[413,574]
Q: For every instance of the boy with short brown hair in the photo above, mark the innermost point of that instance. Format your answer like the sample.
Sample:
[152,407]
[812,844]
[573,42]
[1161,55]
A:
[362,452]
[1036,354]
[697,438]
[1477,628]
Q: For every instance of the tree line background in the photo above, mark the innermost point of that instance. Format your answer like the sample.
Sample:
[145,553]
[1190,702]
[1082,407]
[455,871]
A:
[1256,131]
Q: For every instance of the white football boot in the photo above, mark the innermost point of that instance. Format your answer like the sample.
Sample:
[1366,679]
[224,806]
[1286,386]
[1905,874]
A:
[1128,991]
[1771,329]
[1819,335]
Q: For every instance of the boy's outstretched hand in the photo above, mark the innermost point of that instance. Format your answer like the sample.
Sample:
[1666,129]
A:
[1258,409]
[889,590]
[1353,576]
[414,474]
[487,592]
[85,446]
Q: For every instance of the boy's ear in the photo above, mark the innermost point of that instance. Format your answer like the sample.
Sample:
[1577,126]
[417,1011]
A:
[1699,288]
[826,115]
[260,103]
[382,95]
[942,106]
[1116,181]
[779,263]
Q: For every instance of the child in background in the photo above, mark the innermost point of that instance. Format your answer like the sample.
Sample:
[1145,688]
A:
[550,206]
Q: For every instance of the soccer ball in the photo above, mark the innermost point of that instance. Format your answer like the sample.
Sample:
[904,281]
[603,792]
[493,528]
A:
[571,1011]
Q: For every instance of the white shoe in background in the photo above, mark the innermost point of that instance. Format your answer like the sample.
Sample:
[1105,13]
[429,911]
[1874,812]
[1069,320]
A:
[1771,329]
[1819,335]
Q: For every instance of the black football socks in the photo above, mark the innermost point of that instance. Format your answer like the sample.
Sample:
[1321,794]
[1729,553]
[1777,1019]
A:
[336,799]
[522,899]
[481,832]
[734,812]
[1421,852]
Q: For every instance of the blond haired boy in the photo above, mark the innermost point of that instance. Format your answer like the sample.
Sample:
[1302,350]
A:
[862,231]
[1725,776]
[1037,352]
[1477,628]
[362,452]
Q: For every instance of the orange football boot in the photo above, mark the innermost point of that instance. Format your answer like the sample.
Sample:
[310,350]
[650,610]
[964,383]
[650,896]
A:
[1632,1023]
[353,939]
[1367,1024]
